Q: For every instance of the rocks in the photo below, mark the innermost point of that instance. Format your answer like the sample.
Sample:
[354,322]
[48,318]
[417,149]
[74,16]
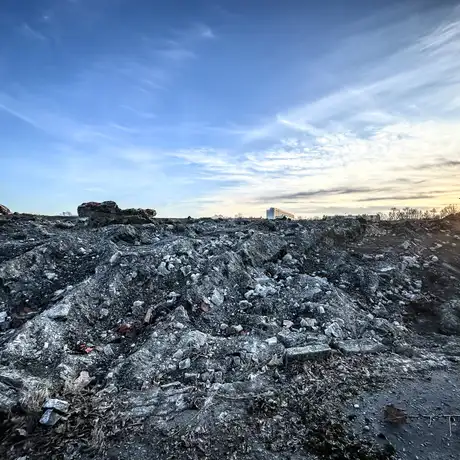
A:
[185,364]
[148,315]
[357,346]
[334,330]
[236,329]
[309,352]
[59,312]
[309,323]
[108,212]
[58,405]
[4,211]
[50,418]
[54,410]
[217,298]
[450,317]
[162,269]
[115,258]
[405,245]
[291,338]
[178,324]
[82,381]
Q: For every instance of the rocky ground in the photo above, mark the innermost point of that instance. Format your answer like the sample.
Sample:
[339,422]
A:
[244,339]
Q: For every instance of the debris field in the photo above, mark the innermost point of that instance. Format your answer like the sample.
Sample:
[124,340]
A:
[148,338]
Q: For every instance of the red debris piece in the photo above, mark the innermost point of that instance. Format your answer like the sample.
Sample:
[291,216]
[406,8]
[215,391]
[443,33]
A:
[84,348]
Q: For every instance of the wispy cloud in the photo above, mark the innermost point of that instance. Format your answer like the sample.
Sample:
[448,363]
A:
[440,164]
[31,33]
[205,31]
[384,131]
[401,117]
[176,54]
[396,198]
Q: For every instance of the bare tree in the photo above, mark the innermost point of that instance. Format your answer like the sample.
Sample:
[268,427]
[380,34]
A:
[449,209]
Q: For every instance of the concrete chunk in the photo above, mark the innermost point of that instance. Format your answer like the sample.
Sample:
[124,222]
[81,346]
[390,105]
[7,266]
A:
[310,352]
[57,404]
[355,346]
[291,339]
[50,418]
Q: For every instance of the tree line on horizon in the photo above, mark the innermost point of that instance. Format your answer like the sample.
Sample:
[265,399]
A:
[408,213]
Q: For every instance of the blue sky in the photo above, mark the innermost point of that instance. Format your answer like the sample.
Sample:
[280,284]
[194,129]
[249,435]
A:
[205,107]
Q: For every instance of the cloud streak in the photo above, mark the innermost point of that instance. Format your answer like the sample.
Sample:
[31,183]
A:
[31,33]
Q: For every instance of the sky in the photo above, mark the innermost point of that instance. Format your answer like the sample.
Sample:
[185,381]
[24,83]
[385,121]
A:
[204,107]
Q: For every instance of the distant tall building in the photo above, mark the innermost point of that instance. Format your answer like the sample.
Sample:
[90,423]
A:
[276,213]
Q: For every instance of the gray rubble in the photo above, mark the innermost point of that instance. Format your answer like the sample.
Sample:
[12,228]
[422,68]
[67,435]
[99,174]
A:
[57,405]
[183,338]
[354,346]
[308,352]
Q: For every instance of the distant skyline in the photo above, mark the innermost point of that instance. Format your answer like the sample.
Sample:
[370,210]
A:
[225,107]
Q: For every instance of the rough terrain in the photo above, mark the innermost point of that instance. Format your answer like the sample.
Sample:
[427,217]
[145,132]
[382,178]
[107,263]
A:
[242,339]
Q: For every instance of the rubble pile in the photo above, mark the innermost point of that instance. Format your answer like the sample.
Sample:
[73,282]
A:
[124,336]
[4,211]
[108,212]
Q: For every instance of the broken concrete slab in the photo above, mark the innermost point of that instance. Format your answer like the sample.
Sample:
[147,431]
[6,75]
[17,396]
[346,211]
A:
[309,352]
[58,405]
[50,418]
[355,346]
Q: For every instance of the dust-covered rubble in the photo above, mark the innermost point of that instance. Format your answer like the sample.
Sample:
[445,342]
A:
[197,338]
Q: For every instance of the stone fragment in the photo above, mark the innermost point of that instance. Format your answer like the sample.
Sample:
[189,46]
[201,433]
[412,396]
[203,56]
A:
[58,405]
[162,270]
[334,330]
[4,211]
[50,418]
[237,329]
[82,381]
[178,354]
[148,315]
[59,312]
[291,339]
[309,323]
[309,352]
[217,298]
[185,364]
[355,346]
[115,258]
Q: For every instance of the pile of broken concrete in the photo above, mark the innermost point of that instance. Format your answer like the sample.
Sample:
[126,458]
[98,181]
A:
[4,211]
[108,212]
[197,338]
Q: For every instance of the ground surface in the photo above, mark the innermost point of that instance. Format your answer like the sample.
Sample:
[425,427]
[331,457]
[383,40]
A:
[180,339]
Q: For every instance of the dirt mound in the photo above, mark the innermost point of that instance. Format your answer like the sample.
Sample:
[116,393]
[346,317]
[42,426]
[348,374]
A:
[200,338]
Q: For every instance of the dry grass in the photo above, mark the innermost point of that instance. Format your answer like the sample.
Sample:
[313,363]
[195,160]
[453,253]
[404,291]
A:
[33,398]
[97,438]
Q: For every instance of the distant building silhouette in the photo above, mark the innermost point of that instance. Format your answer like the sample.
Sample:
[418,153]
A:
[276,213]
